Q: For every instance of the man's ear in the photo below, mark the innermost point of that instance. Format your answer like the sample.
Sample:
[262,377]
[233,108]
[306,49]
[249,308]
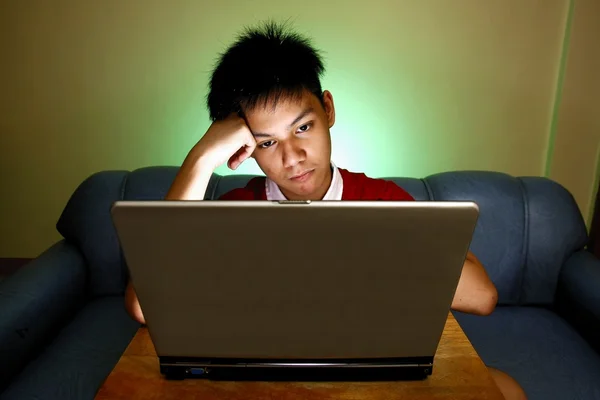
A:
[329,107]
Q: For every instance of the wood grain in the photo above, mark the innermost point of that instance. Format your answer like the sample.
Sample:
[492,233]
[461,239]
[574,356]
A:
[458,373]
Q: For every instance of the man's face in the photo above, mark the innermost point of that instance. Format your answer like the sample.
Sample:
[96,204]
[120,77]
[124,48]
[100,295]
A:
[294,145]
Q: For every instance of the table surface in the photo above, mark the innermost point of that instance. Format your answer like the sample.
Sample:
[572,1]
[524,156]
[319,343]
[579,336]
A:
[458,373]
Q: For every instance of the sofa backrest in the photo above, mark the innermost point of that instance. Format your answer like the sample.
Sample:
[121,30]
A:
[527,226]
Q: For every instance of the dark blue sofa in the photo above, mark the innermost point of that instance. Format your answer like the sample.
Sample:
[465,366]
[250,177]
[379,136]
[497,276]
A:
[63,325]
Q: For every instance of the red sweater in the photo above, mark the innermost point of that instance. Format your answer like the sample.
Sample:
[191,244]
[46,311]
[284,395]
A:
[357,186]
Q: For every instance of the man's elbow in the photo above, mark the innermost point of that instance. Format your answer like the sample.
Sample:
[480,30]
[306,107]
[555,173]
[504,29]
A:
[135,313]
[489,301]
[132,305]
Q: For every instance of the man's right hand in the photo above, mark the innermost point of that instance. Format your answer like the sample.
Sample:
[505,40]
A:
[229,140]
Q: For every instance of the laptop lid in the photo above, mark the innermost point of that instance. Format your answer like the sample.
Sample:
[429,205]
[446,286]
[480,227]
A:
[295,280]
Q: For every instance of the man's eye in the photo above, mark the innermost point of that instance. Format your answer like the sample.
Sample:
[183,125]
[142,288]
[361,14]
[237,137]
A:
[304,127]
[267,144]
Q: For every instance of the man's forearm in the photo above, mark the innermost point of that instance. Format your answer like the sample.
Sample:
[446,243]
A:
[191,180]
[475,294]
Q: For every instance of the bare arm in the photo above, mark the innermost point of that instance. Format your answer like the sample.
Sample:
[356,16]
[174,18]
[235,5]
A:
[227,140]
[191,180]
[132,305]
[475,294]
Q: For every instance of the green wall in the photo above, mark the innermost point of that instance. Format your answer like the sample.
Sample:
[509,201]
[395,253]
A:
[420,87]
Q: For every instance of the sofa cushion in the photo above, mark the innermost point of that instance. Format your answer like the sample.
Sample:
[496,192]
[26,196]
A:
[499,237]
[35,303]
[149,183]
[81,357]
[86,222]
[416,187]
[556,230]
[539,349]
[153,183]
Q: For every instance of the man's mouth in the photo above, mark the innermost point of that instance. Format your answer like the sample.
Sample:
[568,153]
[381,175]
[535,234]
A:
[302,176]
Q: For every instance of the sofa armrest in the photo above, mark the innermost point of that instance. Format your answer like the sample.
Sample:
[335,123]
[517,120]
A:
[35,302]
[578,295]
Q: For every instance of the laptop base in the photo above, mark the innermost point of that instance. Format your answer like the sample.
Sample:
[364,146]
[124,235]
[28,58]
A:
[417,368]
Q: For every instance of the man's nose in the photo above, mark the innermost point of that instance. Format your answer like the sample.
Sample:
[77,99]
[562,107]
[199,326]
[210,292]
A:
[293,154]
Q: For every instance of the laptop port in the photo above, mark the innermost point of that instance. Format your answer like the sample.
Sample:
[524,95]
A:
[196,371]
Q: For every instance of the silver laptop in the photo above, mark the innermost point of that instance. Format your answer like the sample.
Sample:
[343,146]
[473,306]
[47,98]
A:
[260,289]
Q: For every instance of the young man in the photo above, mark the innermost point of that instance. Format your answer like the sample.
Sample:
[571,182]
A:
[266,102]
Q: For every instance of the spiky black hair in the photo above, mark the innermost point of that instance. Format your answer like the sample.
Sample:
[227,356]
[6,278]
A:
[265,64]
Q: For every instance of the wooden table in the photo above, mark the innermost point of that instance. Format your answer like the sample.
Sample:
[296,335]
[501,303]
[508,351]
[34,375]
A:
[458,373]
